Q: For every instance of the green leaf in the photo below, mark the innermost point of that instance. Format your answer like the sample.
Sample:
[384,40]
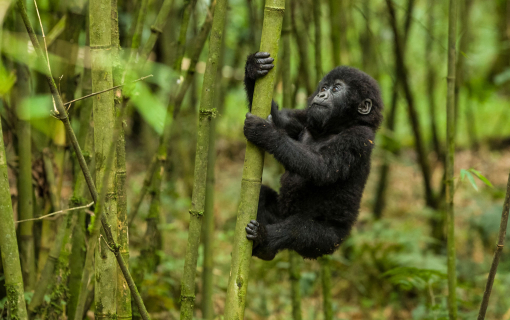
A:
[481,177]
[472,180]
[463,173]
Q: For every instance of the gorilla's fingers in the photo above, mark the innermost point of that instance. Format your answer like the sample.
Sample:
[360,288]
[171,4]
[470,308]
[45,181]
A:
[255,222]
[250,237]
[266,66]
[262,54]
[262,72]
[250,231]
[265,61]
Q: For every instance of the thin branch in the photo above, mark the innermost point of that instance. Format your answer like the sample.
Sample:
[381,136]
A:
[110,89]
[46,50]
[497,254]
[57,212]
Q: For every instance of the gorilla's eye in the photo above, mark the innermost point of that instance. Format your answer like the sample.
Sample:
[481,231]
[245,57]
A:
[336,88]
[323,89]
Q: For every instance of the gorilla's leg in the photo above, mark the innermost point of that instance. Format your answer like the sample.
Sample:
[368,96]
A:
[267,214]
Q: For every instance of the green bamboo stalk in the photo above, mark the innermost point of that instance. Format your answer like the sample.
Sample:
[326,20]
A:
[9,245]
[93,241]
[123,293]
[431,79]
[137,34]
[189,5]
[294,268]
[152,232]
[286,58]
[62,116]
[156,30]
[104,121]
[336,27]
[450,156]
[497,254]
[318,48]
[300,36]
[325,262]
[25,192]
[208,225]
[207,112]
[252,172]
[175,107]
[295,276]
[464,42]
[86,138]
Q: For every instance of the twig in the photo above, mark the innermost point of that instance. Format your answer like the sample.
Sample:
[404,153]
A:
[106,242]
[497,254]
[46,51]
[110,89]
[58,212]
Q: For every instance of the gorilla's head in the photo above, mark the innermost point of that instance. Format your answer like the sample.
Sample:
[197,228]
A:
[345,96]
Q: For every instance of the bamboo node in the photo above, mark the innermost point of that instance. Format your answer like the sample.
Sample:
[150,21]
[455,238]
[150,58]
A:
[196,213]
[99,47]
[188,298]
[58,116]
[156,29]
[500,246]
[211,113]
[277,9]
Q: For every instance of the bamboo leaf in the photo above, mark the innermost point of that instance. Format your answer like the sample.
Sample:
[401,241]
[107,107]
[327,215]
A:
[481,177]
[471,180]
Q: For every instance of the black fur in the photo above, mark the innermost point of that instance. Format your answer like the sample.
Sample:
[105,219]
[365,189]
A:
[325,150]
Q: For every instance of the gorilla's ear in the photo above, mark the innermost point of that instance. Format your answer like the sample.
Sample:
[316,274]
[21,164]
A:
[365,106]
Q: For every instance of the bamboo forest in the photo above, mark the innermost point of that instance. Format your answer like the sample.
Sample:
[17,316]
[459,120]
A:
[254,159]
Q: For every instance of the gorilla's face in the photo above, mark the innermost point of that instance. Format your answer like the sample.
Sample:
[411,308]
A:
[344,97]
[330,99]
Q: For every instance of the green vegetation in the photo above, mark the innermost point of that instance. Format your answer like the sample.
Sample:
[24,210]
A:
[94,190]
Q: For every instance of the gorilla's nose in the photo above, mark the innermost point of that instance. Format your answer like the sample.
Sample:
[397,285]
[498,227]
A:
[323,95]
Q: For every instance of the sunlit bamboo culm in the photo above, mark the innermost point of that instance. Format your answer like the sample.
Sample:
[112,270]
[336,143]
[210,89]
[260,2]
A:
[252,171]
[450,156]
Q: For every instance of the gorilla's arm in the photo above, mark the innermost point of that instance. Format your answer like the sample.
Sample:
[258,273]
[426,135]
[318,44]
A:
[323,163]
[257,66]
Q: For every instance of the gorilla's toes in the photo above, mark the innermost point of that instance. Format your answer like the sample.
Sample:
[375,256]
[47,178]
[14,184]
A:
[251,230]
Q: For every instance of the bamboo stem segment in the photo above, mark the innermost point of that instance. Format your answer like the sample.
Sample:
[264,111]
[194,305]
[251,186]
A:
[450,156]
[207,112]
[62,116]
[252,172]
[9,244]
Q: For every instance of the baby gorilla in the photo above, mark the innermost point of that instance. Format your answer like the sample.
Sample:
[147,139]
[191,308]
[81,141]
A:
[325,150]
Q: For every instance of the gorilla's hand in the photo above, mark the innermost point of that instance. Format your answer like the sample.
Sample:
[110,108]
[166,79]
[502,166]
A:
[259,131]
[258,65]
[258,234]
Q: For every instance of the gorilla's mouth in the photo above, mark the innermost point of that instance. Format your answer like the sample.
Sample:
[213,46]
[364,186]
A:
[315,104]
